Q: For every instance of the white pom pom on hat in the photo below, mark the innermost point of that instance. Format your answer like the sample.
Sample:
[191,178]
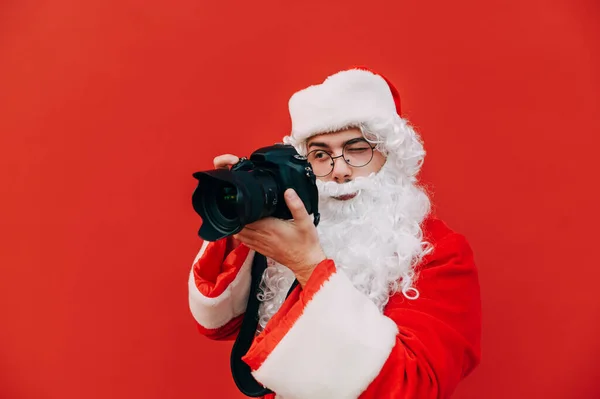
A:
[347,98]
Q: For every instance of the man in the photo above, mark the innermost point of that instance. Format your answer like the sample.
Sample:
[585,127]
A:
[388,302]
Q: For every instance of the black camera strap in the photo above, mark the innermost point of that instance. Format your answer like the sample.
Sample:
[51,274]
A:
[241,372]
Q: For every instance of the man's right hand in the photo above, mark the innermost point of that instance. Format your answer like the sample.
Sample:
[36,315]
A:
[226,161]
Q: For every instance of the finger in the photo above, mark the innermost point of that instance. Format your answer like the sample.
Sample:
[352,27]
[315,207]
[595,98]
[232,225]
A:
[262,238]
[265,224]
[245,234]
[249,241]
[225,160]
[296,206]
[249,234]
[235,242]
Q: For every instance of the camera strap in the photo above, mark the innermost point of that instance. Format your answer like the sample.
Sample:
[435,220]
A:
[241,372]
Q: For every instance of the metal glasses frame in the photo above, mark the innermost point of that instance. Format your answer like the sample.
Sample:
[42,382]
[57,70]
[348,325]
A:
[333,159]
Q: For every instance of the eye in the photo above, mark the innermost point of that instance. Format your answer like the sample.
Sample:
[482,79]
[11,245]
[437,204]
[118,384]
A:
[357,149]
[318,156]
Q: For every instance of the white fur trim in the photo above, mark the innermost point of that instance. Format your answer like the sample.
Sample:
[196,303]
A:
[215,312]
[343,99]
[335,349]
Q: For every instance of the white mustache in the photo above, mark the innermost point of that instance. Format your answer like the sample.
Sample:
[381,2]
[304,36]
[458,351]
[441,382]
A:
[333,189]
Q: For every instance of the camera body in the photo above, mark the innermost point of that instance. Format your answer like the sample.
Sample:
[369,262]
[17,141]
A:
[253,189]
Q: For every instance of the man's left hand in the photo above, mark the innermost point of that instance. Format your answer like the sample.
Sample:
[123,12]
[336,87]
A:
[292,243]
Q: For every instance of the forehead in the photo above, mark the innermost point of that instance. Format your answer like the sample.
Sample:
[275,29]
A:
[337,138]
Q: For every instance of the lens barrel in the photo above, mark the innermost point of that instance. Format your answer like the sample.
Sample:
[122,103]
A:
[228,200]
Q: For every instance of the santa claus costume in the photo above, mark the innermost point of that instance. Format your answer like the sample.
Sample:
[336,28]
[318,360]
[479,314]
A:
[394,312]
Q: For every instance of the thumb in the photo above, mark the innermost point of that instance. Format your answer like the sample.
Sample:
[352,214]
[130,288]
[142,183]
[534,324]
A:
[296,206]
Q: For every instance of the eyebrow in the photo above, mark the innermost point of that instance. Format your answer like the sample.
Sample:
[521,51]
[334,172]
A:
[325,145]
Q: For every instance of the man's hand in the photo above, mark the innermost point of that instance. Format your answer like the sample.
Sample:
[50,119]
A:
[225,161]
[292,243]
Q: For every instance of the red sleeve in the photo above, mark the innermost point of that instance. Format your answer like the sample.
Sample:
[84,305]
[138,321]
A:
[218,287]
[438,341]
[330,340]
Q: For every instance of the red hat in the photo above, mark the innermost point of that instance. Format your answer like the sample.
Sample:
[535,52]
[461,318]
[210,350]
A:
[344,99]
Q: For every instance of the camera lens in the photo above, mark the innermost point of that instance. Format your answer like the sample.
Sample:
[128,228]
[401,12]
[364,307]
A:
[226,200]
[219,206]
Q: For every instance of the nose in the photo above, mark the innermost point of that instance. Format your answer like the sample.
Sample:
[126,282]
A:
[341,170]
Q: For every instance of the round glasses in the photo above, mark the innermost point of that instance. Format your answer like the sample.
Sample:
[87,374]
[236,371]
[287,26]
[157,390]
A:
[356,153]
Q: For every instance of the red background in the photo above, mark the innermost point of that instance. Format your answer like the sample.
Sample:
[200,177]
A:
[107,107]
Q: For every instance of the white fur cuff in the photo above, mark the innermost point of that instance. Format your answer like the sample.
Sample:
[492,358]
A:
[212,313]
[335,348]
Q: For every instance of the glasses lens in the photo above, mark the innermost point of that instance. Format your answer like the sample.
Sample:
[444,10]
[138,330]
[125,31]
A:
[321,162]
[358,154]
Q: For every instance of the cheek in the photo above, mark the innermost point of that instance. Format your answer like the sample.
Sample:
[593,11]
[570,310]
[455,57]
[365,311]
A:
[380,160]
[374,166]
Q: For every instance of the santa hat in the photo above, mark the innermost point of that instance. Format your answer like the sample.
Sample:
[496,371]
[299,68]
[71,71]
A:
[347,98]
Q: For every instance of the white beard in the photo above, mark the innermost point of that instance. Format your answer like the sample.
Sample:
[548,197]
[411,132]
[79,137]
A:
[375,238]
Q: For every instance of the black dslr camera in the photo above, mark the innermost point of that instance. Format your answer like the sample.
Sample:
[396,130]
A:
[253,189]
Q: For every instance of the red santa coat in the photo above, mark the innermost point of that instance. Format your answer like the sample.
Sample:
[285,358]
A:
[329,340]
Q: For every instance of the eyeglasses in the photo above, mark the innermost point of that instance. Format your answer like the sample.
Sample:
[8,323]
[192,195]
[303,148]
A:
[356,153]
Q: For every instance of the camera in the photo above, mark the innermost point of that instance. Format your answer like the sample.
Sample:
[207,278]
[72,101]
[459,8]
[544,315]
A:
[253,189]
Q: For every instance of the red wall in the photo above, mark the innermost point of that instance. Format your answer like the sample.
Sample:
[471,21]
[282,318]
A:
[107,107]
